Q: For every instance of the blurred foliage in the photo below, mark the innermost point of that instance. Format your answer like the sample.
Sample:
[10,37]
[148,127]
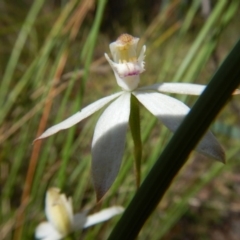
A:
[52,64]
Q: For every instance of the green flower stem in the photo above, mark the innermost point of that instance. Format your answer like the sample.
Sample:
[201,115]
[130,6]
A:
[134,122]
[209,104]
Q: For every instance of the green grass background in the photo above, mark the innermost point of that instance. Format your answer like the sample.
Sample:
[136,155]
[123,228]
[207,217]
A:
[52,65]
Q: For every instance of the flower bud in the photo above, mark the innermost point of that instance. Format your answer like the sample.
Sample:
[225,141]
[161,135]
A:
[59,211]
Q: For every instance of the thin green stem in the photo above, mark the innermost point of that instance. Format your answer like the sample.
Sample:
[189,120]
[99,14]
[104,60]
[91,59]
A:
[134,122]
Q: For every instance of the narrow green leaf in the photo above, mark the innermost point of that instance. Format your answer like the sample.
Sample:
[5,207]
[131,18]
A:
[22,37]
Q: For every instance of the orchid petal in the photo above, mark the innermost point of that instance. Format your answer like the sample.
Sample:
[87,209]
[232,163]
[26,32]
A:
[168,109]
[79,116]
[179,88]
[171,112]
[58,210]
[108,143]
[103,215]
[126,74]
[210,146]
[45,231]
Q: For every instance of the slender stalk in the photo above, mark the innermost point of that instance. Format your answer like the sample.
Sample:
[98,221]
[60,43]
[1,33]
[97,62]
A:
[134,122]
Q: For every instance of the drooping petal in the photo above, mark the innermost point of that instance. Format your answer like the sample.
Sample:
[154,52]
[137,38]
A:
[171,112]
[103,215]
[209,145]
[79,116]
[108,143]
[45,231]
[179,88]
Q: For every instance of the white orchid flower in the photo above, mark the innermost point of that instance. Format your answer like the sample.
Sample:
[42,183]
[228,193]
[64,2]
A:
[110,131]
[61,220]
